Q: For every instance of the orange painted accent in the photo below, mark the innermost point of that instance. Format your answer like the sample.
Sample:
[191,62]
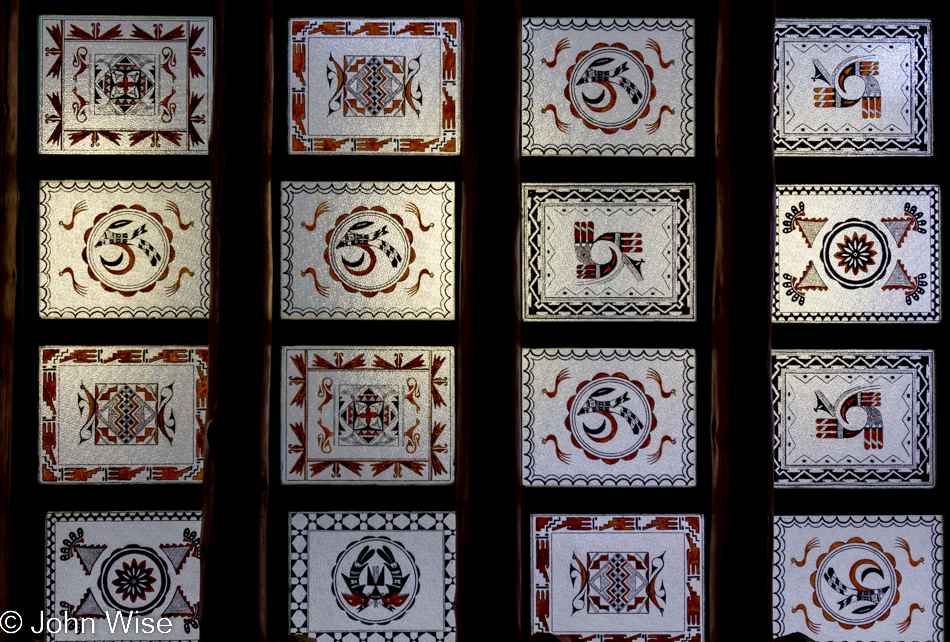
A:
[448,110]
[81,356]
[124,473]
[168,473]
[448,61]
[330,28]
[49,440]
[298,146]
[450,27]
[418,29]
[171,356]
[328,144]
[79,474]
[371,144]
[297,26]
[373,29]
[48,474]
[125,356]
[49,354]
[449,146]
[415,144]
[300,62]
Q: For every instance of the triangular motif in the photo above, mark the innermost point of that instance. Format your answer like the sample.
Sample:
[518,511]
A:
[88,556]
[898,280]
[811,280]
[899,227]
[179,606]
[176,554]
[810,228]
[88,607]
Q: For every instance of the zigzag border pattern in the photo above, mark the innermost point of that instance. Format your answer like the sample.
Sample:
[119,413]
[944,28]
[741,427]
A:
[920,143]
[871,361]
[533,305]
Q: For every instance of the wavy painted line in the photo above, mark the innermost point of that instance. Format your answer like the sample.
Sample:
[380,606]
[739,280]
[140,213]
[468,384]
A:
[903,626]
[322,208]
[814,627]
[173,208]
[653,127]
[414,290]
[564,457]
[171,289]
[560,124]
[80,289]
[412,208]
[653,375]
[655,457]
[902,544]
[80,208]
[813,543]
[561,376]
[561,46]
[321,290]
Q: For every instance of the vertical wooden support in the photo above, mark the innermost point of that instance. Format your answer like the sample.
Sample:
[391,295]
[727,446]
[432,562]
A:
[488,490]
[741,543]
[235,486]
[8,275]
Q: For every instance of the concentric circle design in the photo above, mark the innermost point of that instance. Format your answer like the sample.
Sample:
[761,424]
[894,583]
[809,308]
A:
[134,578]
[128,250]
[369,251]
[609,87]
[856,254]
[856,583]
[375,580]
[610,417]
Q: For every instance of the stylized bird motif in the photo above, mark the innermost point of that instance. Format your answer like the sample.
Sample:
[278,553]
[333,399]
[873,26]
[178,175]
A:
[366,242]
[620,244]
[375,585]
[837,425]
[834,94]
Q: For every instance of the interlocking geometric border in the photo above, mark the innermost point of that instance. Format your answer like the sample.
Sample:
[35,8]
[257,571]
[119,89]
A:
[875,317]
[445,29]
[52,546]
[869,361]
[303,523]
[919,143]
[687,474]
[779,555]
[534,308]
[530,147]
[690,525]
[51,427]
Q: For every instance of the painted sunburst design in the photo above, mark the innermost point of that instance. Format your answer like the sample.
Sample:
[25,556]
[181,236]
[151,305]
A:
[134,580]
[855,253]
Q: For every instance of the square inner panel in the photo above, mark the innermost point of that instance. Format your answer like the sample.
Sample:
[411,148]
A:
[607,87]
[857,253]
[605,577]
[368,250]
[123,576]
[122,85]
[377,415]
[853,419]
[373,576]
[361,86]
[121,249]
[608,252]
[858,578]
[608,417]
[847,88]
[122,414]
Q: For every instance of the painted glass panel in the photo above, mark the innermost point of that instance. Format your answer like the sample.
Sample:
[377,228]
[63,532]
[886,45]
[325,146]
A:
[608,252]
[122,85]
[598,577]
[607,87]
[123,576]
[853,419]
[361,86]
[847,88]
[124,249]
[608,417]
[857,253]
[859,578]
[389,576]
[122,414]
[368,250]
[379,414]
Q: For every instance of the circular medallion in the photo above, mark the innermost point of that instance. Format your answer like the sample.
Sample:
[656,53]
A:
[369,251]
[855,253]
[610,87]
[610,417]
[375,580]
[856,583]
[134,578]
[128,249]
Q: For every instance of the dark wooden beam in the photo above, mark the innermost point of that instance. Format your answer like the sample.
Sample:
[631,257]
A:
[488,491]
[235,486]
[741,538]
[8,222]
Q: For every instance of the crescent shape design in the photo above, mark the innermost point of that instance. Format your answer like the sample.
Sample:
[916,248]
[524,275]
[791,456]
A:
[108,264]
[598,430]
[854,570]
[610,104]
[372,262]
